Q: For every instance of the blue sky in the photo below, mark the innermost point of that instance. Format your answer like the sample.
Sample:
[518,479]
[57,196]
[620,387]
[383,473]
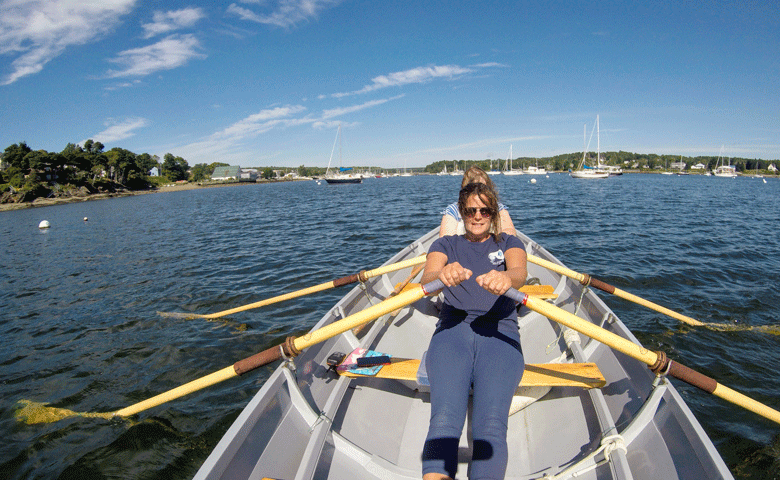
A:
[267,82]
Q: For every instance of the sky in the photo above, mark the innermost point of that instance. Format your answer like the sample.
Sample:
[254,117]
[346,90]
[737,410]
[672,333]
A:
[268,82]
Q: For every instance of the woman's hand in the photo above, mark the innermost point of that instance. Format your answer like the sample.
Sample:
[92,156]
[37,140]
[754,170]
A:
[494,282]
[453,273]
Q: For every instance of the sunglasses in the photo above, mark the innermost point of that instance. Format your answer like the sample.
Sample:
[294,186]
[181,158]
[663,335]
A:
[483,211]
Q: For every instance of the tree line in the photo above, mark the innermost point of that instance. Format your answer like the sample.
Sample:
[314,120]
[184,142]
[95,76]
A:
[35,173]
[625,160]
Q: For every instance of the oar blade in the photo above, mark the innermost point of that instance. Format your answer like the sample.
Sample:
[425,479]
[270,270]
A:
[33,413]
[181,315]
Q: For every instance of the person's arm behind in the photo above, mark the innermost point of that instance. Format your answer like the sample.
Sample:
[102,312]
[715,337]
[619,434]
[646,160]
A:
[506,223]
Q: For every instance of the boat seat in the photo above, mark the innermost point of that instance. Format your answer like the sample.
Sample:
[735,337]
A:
[584,375]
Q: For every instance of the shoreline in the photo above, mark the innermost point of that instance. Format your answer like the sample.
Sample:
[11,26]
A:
[48,202]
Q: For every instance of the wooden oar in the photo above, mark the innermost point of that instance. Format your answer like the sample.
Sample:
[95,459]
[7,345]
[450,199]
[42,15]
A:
[33,412]
[658,361]
[398,289]
[361,276]
[588,280]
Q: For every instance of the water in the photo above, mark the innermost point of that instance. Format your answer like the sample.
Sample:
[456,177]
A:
[79,302]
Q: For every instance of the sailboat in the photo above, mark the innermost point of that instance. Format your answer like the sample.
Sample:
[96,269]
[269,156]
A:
[443,172]
[494,172]
[509,170]
[342,176]
[535,170]
[584,170]
[723,170]
[666,169]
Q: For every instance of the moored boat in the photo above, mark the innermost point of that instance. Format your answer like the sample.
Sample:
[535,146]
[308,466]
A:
[584,170]
[309,422]
[342,176]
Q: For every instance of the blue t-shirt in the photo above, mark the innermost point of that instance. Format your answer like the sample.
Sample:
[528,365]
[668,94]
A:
[452,210]
[468,301]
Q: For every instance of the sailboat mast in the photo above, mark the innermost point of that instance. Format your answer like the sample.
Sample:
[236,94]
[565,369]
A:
[598,143]
[510,156]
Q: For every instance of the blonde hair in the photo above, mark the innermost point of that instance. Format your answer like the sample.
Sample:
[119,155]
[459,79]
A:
[474,174]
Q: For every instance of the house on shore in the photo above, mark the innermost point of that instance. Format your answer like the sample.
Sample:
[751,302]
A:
[231,172]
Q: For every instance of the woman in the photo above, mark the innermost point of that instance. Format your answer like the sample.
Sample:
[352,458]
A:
[476,342]
[451,219]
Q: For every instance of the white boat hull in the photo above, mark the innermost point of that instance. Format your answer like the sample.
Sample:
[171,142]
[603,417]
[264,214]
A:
[310,423]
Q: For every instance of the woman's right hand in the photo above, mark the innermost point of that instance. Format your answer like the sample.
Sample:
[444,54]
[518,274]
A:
[453,274]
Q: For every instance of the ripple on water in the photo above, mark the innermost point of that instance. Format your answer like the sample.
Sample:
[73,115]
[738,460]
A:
[79,304]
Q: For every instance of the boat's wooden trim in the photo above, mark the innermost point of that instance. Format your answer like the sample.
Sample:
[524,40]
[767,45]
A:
[585,375]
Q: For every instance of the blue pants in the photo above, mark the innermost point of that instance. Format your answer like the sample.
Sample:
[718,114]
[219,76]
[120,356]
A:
[462,355]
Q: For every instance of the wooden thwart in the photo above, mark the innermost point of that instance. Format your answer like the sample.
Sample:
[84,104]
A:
[585,375]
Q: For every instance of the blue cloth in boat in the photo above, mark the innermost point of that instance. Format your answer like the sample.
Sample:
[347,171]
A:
[452,210]
[476,346]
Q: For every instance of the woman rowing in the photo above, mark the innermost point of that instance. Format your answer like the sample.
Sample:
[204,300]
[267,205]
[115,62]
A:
[476,344]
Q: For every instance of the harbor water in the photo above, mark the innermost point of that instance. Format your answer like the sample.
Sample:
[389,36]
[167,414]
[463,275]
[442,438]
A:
[79,301]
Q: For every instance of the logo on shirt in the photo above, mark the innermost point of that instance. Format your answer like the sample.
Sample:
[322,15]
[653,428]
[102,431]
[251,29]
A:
[497,257]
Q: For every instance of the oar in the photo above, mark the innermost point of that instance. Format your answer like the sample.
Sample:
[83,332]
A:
[657,361]
[33,412]
[398,289]
[361,276]
[586,280]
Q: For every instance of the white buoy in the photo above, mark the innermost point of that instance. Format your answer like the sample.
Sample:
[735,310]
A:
[86,219]
[44,224]
[533,180]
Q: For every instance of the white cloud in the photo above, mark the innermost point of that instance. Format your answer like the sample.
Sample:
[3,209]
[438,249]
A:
[259,122]
[164,22]
[285,13]
[119,131]
[337,112]
[414,75]
[231,142]
[37,31]
[171,52]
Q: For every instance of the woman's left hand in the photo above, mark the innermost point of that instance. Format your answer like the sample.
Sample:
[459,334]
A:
[494,282]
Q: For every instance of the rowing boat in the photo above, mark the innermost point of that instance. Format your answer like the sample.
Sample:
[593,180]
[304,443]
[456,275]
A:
[309,421]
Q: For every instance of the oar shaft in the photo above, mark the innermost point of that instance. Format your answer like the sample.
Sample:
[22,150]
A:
[362,276]
[394,267]
[645,356]
[591,330]
[275,353]
[277,299]
[347,323]
[658,308]
[177,392]
[587,279]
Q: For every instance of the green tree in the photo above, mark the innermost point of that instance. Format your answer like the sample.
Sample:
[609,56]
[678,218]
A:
[268,173]
[200,172]
[146,162]
[175,168]
[14,155]
[121,163]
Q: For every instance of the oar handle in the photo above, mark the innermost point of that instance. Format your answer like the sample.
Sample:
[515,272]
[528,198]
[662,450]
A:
[656,360]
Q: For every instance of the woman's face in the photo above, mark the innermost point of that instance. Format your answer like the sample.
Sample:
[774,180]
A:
[477,224]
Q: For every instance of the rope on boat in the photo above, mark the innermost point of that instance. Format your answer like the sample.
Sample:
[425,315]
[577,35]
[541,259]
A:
[319,420]
[609,445]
